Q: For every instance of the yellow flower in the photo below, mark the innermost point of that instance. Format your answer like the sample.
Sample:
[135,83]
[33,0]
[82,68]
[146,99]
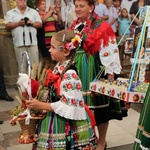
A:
[76,38]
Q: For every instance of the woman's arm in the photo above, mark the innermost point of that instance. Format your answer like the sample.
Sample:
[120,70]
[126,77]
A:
[48,14]
[57,13]
[136,20]
[113,21]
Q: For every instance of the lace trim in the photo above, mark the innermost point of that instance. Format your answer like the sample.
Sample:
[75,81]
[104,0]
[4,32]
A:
[113,68]
[52,136]
[141,146]
[45,146]
[69,112]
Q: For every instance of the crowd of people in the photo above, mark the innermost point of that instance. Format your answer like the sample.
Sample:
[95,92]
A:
[78,52]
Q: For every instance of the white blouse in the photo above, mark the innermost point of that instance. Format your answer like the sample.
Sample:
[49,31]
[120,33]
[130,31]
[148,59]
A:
[71,103]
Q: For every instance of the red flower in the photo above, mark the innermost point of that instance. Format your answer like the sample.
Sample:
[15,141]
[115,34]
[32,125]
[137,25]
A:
[65,76]
[62,68]
[94,87]
[116,51]
[73,101]
[106,54]
[80,103]
[74,75]
[136,98]
[69,86]
[142,97]
[64,99]
[112,92]
[103,90]
[78,86]
[123,96]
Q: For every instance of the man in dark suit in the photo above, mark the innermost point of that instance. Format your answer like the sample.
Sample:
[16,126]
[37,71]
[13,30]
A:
[3,93]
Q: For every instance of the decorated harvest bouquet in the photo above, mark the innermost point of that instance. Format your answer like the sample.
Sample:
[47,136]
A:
[31,85]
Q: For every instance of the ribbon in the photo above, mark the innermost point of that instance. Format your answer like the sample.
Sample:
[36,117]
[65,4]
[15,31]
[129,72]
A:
[91,116]
[53,78]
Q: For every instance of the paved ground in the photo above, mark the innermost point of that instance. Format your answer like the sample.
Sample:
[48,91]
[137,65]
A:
[120,135]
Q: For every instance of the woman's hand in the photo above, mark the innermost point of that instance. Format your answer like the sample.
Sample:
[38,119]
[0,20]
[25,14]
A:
[52,7]
[57,8]
[33,104]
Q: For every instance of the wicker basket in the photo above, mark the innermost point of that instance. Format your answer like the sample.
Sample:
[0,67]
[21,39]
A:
[28,132]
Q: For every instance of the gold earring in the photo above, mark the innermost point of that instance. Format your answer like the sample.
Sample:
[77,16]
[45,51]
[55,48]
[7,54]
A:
[90,11]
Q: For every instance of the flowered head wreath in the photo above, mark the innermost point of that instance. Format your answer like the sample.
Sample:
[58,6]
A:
[74,44]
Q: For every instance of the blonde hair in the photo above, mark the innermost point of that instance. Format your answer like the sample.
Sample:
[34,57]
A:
[62,37]
[121,15]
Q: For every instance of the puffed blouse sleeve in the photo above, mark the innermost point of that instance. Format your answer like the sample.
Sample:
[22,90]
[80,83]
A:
[71,103]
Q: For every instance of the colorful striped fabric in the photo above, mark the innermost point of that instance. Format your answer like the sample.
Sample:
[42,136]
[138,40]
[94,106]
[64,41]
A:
[50,30]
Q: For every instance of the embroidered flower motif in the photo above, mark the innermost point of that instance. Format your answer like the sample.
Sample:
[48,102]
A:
[64,99]
[61,67]
[146,60]
[136,98]
[65,76]
[69,86]
[67,128]
[116,51]
[73,101]
[142,98]
[113,92]
[94,87]
[123,96]
[112,42]
[78,86]
[80,103]
[74,76]
[106,54]
[103,90]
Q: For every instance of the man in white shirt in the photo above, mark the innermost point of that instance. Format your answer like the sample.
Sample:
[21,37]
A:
[23,22]
[101,10]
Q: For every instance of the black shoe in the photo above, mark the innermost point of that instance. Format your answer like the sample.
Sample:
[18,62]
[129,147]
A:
[6,97]
[1,122]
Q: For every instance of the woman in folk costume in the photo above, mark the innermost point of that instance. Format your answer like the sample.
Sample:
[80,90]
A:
[69,123]
[98,48]
[49,19]
[142,141]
